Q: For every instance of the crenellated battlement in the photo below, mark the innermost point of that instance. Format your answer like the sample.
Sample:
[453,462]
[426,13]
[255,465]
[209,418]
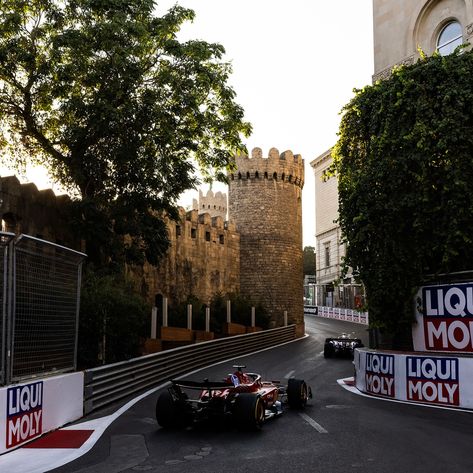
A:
[25,209]
[212,203]
[286,166]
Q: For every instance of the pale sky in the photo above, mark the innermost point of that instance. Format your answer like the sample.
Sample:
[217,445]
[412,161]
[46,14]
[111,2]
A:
[295,64]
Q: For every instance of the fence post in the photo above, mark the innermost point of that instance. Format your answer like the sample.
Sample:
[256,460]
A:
[154,321]
[253,317]
[285,318]
[165,311]
[189,316]
[207,319]
[229,312]
[10,312]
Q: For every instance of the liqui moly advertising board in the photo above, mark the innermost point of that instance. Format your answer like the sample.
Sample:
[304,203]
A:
[379,374]
[24,413]
[31,409]
[433,380]
[444,317]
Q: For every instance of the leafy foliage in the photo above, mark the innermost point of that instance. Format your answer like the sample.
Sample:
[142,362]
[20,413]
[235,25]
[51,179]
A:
[404,164]
[309,260]
[113,319]
[104,95]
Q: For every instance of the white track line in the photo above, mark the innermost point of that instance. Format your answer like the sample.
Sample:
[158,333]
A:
[313,423]
[289,374]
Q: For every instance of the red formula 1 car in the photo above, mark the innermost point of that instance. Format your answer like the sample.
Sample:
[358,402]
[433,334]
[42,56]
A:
[244,398]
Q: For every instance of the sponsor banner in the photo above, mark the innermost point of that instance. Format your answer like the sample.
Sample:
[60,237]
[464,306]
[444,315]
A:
[31,409]
[444,317]
[311,310]
[24,413]
[379,374]
[436,380]
[433,380]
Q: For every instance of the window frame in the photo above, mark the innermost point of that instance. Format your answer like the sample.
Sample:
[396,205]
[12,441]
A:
[439,47]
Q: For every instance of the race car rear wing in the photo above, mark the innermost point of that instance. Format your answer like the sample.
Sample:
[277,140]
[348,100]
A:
[206,384]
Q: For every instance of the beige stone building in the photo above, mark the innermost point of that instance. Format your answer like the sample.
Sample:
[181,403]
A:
[403,27]
[331,289]
[329,250]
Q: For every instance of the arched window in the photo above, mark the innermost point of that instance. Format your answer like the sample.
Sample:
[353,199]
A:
[247,175]
[275,176]
[449,38]
[257,175]
[239,175]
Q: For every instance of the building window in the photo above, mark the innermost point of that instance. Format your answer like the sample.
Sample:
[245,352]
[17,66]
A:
[193,232]
[178,230]
[207,236]
[327,255]
[221,239]
[449,38]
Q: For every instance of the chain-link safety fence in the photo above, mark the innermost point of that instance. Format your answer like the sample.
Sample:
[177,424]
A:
[40,301]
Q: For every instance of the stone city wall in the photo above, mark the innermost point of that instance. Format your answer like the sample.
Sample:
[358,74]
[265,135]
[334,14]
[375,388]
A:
[41,214]
[203,259]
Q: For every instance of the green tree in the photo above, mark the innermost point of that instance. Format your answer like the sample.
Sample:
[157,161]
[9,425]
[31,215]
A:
[119,111]
[309,260]
[405,169]
[113,319]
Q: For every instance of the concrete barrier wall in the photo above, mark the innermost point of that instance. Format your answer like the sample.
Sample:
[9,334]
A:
[28,410]
[445,380]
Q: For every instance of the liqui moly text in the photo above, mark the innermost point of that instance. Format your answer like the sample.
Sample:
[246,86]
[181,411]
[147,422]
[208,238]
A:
[24,413]
[448,317]
[379,374]
[433,380]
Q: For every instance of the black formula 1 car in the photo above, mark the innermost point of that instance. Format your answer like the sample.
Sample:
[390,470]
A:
[344,345]
[243,398]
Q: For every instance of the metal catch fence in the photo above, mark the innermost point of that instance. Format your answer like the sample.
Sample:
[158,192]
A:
[40,307]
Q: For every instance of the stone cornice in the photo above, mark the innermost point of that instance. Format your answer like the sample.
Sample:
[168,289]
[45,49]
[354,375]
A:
[386,73]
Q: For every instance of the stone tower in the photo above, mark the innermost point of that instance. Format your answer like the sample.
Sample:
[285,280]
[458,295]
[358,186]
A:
[213,204]
[265,204]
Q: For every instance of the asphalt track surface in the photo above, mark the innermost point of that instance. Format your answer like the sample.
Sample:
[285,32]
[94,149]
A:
[337,432]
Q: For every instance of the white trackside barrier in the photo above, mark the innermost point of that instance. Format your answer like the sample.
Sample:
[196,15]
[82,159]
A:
[445,380]
[338,313]
[28,410]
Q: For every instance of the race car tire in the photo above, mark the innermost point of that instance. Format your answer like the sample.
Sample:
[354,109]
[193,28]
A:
[169,414]
[297,393]
[248,411]
[328,351]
